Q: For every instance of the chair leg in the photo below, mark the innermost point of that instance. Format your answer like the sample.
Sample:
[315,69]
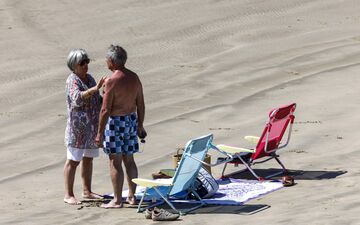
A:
[247,168]
[247,165]
[223,171]
[284,170]
[166,200]
[202,203]
[282,165]
[139,210]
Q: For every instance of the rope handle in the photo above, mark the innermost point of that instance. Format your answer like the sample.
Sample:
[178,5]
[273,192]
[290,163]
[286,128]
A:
[178,151]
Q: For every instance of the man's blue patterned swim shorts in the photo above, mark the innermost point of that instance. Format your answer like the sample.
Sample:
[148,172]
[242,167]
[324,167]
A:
[121,135]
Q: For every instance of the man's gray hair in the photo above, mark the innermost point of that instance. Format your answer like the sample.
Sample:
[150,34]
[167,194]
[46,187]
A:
[76,56]
[117,55]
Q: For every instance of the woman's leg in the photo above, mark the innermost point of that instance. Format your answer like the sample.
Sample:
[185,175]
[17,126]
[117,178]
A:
[86,175]
[69,177]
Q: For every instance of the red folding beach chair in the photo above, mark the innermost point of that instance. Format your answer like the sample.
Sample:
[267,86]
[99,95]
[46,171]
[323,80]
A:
[270,141]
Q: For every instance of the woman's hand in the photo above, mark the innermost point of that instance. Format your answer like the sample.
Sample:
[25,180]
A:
[101,82]
[98,141]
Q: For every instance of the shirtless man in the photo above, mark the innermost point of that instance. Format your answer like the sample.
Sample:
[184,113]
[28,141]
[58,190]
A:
[121,121]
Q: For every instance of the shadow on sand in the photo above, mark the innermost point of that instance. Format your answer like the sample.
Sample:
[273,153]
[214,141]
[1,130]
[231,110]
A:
[246,209]
[297,174]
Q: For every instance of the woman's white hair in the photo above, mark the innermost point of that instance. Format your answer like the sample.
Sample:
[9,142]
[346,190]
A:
[75,57]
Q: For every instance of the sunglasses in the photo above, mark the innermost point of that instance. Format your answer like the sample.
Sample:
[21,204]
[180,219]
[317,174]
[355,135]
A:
[85,61]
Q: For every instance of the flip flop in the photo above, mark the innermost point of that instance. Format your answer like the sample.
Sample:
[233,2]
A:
[288,181]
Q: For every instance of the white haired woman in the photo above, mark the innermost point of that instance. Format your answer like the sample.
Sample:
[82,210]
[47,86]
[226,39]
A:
[83,106]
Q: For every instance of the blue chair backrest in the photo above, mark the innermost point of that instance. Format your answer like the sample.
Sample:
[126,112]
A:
[188,167]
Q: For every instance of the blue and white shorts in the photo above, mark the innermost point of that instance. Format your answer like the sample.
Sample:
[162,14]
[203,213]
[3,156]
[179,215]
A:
[120,135]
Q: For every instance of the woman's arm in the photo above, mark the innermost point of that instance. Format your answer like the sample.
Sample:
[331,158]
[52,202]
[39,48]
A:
[73,91]
[105,110]
[91,91]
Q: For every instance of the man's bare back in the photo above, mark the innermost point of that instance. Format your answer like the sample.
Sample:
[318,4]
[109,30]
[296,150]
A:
[122,92]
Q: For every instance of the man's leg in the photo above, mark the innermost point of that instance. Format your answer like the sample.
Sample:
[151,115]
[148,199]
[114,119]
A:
[117,179]
[131,172]
[69,177]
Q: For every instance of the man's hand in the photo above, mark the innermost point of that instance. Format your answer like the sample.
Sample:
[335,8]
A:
[141,132]
[99,141]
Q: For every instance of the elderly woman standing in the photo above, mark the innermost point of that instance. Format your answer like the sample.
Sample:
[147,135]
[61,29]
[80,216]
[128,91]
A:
[83,106]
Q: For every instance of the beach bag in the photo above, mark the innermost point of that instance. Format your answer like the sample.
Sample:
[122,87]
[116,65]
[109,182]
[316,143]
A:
[205,184]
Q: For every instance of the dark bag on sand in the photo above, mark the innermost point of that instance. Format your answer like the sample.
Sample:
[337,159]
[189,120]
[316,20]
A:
[205,184]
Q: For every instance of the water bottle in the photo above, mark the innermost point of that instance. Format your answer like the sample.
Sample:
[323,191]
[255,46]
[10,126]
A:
[142,145]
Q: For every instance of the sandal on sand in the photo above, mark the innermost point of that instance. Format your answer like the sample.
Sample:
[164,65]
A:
[288,181]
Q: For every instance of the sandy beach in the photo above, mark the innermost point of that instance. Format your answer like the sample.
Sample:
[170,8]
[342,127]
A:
[207,67]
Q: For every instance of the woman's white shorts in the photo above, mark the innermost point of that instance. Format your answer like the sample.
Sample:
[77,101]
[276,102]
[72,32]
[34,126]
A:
[77,154]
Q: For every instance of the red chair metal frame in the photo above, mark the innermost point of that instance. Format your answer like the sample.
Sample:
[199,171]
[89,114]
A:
[268,144]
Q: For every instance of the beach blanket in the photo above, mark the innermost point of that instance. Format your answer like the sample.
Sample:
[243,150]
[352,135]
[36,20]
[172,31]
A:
[237,192]
[231,191]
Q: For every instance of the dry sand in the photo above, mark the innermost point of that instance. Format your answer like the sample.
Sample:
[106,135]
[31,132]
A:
[207,67]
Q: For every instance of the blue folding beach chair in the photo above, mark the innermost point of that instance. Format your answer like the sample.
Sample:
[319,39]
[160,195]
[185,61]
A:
[182,183]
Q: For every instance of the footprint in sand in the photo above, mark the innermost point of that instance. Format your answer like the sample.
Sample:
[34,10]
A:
[220,128]
[309,122]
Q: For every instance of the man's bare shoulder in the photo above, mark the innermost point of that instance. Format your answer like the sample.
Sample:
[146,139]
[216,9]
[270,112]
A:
[135,77]
[109,80]
[110,83]
[131,75]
